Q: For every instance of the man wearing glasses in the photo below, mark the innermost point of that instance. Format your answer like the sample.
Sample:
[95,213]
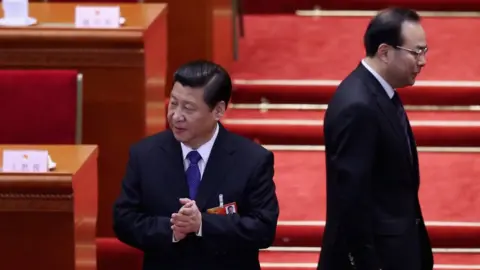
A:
[374,220]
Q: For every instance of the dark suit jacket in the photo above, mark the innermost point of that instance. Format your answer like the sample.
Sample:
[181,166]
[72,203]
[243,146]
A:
[373,218]
[155,179]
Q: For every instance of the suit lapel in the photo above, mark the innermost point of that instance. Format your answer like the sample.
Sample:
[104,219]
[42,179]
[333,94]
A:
[387,107]
[390,111]
[413,147]
[176,171]
[219,163]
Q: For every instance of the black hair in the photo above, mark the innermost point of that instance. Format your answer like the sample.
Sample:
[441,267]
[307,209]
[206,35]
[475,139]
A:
[213,78]
[386,27]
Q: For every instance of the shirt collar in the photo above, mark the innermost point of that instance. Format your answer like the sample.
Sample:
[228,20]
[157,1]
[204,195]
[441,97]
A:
[204,150]
[390,91]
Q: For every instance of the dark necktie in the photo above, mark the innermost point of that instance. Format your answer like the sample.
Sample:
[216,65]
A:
[193,173]
[403,118]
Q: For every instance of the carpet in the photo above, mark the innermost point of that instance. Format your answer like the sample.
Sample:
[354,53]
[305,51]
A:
[290,6]
[304,127]
[448,196]
[114,255]
[289,59]
[448,189]
[305,48]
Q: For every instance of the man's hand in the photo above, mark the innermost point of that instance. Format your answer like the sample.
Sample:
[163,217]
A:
[178,236]
[187,220]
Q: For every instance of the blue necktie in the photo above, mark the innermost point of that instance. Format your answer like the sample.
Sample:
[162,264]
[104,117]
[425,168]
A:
[193,173]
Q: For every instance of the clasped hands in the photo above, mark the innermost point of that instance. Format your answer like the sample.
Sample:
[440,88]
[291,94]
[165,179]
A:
[187,220]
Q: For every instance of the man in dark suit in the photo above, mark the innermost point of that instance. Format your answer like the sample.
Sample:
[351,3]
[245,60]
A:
[174,177]
[374,220]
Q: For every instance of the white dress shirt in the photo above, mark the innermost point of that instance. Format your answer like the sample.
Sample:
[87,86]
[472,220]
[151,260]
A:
[204,150]
[389,89]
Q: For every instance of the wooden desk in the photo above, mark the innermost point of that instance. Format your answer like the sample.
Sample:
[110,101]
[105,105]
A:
[123,75]
[48,220]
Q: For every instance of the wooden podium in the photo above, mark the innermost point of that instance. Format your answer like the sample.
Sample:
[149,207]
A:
[48,220]
[123,76]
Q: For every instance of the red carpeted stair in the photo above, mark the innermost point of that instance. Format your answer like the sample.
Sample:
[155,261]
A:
[328,48]
[299,258]
[116,255]
[319,92]
[449,197]
[293,127]
[290,6]
[288,69]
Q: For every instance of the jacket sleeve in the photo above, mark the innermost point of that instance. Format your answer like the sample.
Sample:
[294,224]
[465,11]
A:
[131,224]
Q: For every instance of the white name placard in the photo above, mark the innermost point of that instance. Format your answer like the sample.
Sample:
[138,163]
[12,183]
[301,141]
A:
[28,161]
[97,17]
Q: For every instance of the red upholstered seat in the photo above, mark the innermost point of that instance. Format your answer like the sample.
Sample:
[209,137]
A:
[115,255]
[40,107]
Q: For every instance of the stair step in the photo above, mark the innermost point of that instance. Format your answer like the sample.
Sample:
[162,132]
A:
[415,116]
[320,92]
[305,127]
[295,260]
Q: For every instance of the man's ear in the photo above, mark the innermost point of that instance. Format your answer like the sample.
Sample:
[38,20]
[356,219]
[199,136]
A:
[219,110]
[383,53]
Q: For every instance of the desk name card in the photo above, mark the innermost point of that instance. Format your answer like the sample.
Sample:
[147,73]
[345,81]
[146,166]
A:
[25,161]
[97,17]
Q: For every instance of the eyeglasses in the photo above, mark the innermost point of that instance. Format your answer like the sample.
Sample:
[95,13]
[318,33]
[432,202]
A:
[415,52]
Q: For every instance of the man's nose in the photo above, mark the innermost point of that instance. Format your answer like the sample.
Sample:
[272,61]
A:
[422,60]
[177,116]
